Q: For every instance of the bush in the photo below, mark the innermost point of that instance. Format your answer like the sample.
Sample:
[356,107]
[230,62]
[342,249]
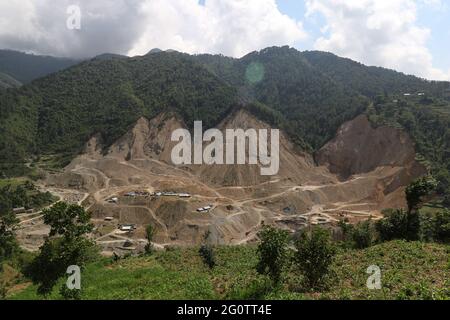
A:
[363,235]
[70,294]
[419,189]
[3,290]
[207,252]
[273,253]
[442,226]
[446,200]
[393,226]
[149,231]
[314,256]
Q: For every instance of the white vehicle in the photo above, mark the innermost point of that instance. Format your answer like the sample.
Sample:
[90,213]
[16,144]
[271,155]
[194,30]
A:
[184,195]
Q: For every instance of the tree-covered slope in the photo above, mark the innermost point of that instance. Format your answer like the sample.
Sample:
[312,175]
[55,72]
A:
[7,81]
[372,81]
[309,95]
[58,113]
[27,67]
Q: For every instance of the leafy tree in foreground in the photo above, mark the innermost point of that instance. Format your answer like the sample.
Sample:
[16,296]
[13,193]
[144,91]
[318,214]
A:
[314,256]
[273,252]
[66,245]
[415,193]
[419,189]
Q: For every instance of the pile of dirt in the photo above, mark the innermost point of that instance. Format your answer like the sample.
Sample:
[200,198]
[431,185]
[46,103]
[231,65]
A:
[360,148]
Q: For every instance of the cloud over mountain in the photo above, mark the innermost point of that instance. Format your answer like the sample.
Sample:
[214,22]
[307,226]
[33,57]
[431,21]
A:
[231,27]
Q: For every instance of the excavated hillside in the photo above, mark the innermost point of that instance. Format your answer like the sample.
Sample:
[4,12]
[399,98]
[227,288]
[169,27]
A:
[359,173]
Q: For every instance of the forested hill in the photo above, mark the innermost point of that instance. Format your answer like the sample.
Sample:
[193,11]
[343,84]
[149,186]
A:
[27,67]
[307,98]
[7,81]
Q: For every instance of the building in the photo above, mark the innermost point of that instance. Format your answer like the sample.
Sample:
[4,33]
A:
[127,227]
[19,210]
[184,195]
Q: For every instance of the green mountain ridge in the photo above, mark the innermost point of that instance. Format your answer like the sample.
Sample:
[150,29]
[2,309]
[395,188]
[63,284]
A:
[27,67]
[307,94]
[7,81]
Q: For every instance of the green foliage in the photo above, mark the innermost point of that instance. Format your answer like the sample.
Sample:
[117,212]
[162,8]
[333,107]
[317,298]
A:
[66,246]
[363,235]
[427,124]
[273,253]
[446,200]
[3,290]
[179,273]
[70,294]
[393,226]
[359,236]
[314,256]
[27,67]
[68,220]
[149,233]
[419,189]
[206,252]
[442,226]
[304,94]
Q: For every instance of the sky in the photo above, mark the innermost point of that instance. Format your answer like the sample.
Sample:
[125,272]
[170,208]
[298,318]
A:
[411,36]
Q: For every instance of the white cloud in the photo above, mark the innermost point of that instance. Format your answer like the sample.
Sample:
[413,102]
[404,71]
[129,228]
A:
[377,32]
[231,27]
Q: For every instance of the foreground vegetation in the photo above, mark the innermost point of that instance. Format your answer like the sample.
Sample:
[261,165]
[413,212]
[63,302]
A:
[407,251]
[410,270]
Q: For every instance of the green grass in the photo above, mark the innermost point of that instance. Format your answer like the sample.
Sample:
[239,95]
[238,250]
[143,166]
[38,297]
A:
[433,207]
[410,270]
[13,182]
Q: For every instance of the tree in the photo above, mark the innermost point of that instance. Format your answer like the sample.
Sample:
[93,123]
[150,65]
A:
[442,226]
[206,251]
[393,226]
[446,200]
[417,190]
[8,220]
[273,252]
[314,256]
[149,232]
[65,246]
[363,235]
[415,193]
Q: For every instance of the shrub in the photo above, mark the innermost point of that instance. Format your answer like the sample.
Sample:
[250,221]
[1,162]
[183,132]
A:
[442,226]
[207,252]
[3,290]
[393,226]
[314,256]
[417,190]
[273,252]
[363,235]
[149,231]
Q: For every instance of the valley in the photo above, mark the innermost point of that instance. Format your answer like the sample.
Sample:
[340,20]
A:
[133,184]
